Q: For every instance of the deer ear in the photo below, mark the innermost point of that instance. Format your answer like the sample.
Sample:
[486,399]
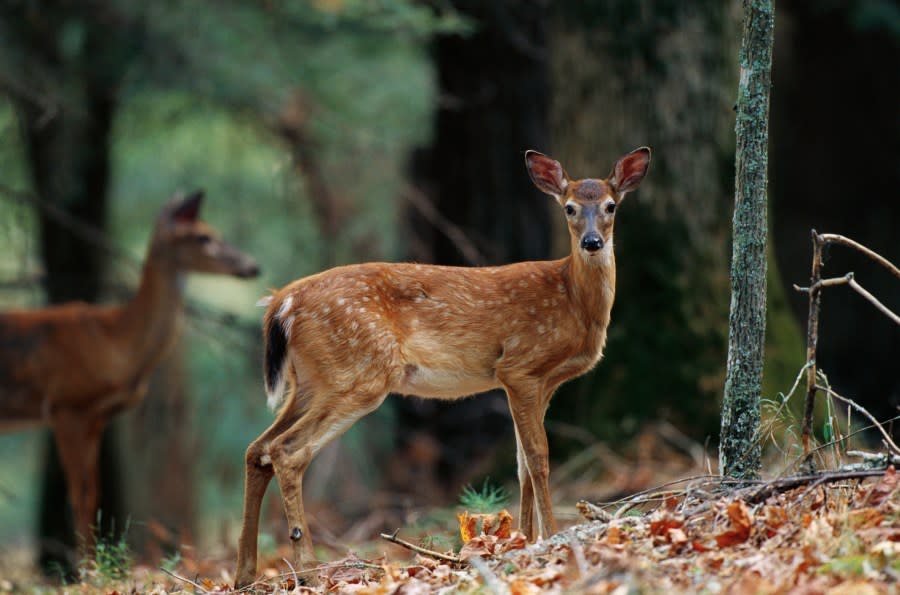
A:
[546,173]
[188,208]
[630,170]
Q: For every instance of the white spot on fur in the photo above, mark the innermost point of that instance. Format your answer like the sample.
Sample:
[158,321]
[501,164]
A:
[265,460]
[341,301]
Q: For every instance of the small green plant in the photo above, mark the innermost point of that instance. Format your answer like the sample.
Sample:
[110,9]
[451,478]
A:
[111,560]
[170,563]
[488,499]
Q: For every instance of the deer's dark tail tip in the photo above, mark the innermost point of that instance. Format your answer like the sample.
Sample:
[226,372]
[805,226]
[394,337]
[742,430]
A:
[274,360]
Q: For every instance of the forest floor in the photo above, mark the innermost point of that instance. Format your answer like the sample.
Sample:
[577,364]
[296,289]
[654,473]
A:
[838,534]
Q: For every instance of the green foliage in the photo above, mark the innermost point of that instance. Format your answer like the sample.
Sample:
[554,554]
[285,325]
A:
[488,499]
[111,560]
[170,563]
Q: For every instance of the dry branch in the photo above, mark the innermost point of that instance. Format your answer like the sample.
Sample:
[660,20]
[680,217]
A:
[812,332]
[420,550]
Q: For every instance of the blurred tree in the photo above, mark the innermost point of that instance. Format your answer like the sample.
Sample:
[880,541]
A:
[62,67]
[740,440]
[493,105]
[625,75]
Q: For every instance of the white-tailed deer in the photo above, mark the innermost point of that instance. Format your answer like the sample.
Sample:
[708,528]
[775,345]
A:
[343,339]
[74,366]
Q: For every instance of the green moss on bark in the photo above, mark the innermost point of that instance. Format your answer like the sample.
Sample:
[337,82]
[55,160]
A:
[739,448]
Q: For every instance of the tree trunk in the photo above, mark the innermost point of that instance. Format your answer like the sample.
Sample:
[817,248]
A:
[739,447]
[494,99]
[68,156]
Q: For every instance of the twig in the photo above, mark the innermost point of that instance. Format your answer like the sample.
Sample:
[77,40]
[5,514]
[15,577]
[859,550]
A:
[420,550]
[862,410]
[850,280]
[812,340]
[781,485]
[186,580]
[873,300]
[875,457]
[815,297]
[592,512]
[293,572]
[839,239]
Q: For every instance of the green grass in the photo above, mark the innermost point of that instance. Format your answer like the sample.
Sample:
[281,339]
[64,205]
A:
[489,499]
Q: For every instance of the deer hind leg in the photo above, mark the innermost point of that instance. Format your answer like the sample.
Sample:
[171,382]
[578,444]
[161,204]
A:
[258,474]
[295,448]
[78,442]
[528,410]
[526,493]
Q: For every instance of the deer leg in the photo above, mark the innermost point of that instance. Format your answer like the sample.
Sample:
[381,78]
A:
[78,442]
[526,492]
[295,448]
[528,416]
[258,474]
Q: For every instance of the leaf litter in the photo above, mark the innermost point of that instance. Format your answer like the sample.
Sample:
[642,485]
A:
[832,538]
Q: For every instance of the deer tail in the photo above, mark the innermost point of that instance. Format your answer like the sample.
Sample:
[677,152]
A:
[275,359]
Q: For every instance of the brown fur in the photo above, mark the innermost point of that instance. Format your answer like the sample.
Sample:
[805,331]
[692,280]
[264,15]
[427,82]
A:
[356,333]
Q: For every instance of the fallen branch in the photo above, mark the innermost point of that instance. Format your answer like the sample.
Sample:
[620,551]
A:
[186,580]
[788,483]
[420,550]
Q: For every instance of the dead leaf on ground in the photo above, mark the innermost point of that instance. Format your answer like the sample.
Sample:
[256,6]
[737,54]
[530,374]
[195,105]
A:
[741,520]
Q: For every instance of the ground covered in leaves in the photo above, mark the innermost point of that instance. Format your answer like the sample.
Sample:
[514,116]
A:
[840,535]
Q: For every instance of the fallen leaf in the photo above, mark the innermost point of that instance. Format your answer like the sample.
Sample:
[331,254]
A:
[864,518]
[741,524]
[882,490]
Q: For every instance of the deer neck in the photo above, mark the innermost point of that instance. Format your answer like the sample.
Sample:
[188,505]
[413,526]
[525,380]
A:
[592,283]
[150,319]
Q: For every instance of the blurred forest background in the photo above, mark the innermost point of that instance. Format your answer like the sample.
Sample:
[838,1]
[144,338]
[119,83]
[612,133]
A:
[338,131]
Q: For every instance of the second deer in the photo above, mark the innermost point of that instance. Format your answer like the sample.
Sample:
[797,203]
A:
[73,366]
[343,339]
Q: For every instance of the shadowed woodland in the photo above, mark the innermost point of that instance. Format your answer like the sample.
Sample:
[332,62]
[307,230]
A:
[342,131]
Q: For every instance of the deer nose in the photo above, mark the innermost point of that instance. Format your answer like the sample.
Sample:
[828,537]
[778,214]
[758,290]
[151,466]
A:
[591,242]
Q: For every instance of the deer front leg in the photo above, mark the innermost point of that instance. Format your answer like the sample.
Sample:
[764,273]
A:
[528,415]
[78,442]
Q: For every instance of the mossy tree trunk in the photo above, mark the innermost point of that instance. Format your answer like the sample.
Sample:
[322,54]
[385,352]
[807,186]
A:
[739,447]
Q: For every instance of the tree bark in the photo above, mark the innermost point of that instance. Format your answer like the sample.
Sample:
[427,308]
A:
[739,447]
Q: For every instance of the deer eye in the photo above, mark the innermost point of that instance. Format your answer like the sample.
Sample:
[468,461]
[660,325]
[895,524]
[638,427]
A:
[611,208]
[570,210]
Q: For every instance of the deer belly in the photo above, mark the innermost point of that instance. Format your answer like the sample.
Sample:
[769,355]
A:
[443,383]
